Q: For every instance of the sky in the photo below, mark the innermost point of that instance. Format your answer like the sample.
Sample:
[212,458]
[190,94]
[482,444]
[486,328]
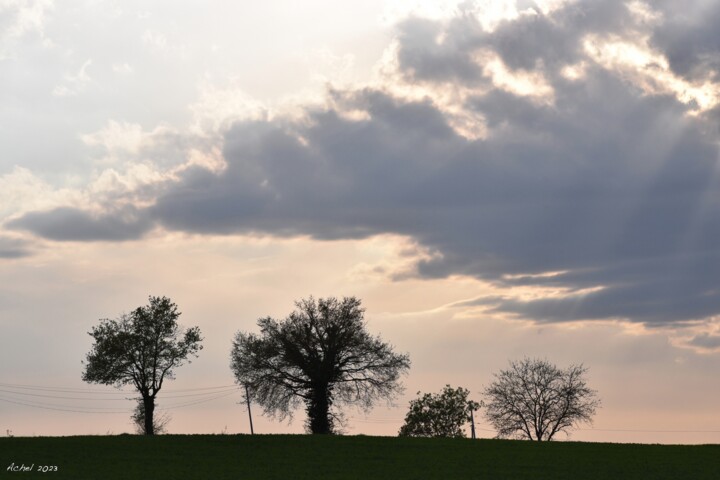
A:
[493,179]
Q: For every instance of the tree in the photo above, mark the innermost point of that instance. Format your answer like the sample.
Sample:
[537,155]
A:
[534,399]
[159,425]
[439,415]
[141,349]
[321,356]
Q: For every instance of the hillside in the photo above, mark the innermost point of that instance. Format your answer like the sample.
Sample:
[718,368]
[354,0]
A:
[352,457]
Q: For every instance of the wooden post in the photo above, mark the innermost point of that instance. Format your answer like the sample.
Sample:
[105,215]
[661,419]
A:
[247,399]
[472,424]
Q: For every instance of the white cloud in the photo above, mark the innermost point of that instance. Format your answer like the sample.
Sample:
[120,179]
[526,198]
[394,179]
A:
[396,10]
[122,68]
[159,42]
[531,84]
[155,39]
[22,191]
[217,107]
[650,70]
[489,13]
[118,136]
[574,72]
[73,84]
[24,17]
[388,258]
[330,67]
[644,12]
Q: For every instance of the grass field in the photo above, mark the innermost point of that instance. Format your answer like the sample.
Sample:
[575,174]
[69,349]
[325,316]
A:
[356,457]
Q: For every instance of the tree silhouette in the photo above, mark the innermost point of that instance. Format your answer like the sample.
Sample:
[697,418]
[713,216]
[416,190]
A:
[439,414]
[159,424]
[141,349]
[534,399]
[321,356]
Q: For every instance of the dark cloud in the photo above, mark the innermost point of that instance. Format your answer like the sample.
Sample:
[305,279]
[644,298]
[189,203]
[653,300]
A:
[616,189]
[13,248]
[607,185]
[706,340]
[431,51]
[71,224]
[548,42]
[689,37]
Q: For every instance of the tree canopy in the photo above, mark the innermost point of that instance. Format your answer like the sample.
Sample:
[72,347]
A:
[534,399]
[321,356]
[141,349]
[439,414]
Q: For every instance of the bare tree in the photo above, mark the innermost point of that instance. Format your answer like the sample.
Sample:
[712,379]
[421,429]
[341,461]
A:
[534,399]
[141,349]
[321,356]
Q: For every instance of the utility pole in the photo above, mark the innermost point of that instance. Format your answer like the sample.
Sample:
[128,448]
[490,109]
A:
[472,424]
[247,399]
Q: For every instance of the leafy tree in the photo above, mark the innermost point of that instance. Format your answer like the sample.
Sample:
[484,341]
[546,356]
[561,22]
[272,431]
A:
[439,414]
[321,356]
[160,422]
[534,399]
[141,349]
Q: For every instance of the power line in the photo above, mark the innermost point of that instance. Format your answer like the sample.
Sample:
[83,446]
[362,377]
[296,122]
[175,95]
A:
[60,389]
[114,399]
[59,409]
[98,392]
[203,388]
[59,396]
[61,405]
[233,389]
[215,392]
[113,410]
[198,402]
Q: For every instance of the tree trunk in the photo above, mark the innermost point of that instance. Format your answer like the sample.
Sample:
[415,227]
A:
[318,411]
[149,405]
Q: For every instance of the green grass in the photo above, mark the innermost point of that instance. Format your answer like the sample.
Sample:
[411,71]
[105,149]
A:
[352,457]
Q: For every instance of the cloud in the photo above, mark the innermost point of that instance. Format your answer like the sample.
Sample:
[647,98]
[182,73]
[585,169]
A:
[118,136]
[706,341]
[689,36]
[19,18]
[74,84]
[219,106]
[528,40]
[13,248]
[158,42]
[598,177]
[21,192]
[71,224]
[122,68]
